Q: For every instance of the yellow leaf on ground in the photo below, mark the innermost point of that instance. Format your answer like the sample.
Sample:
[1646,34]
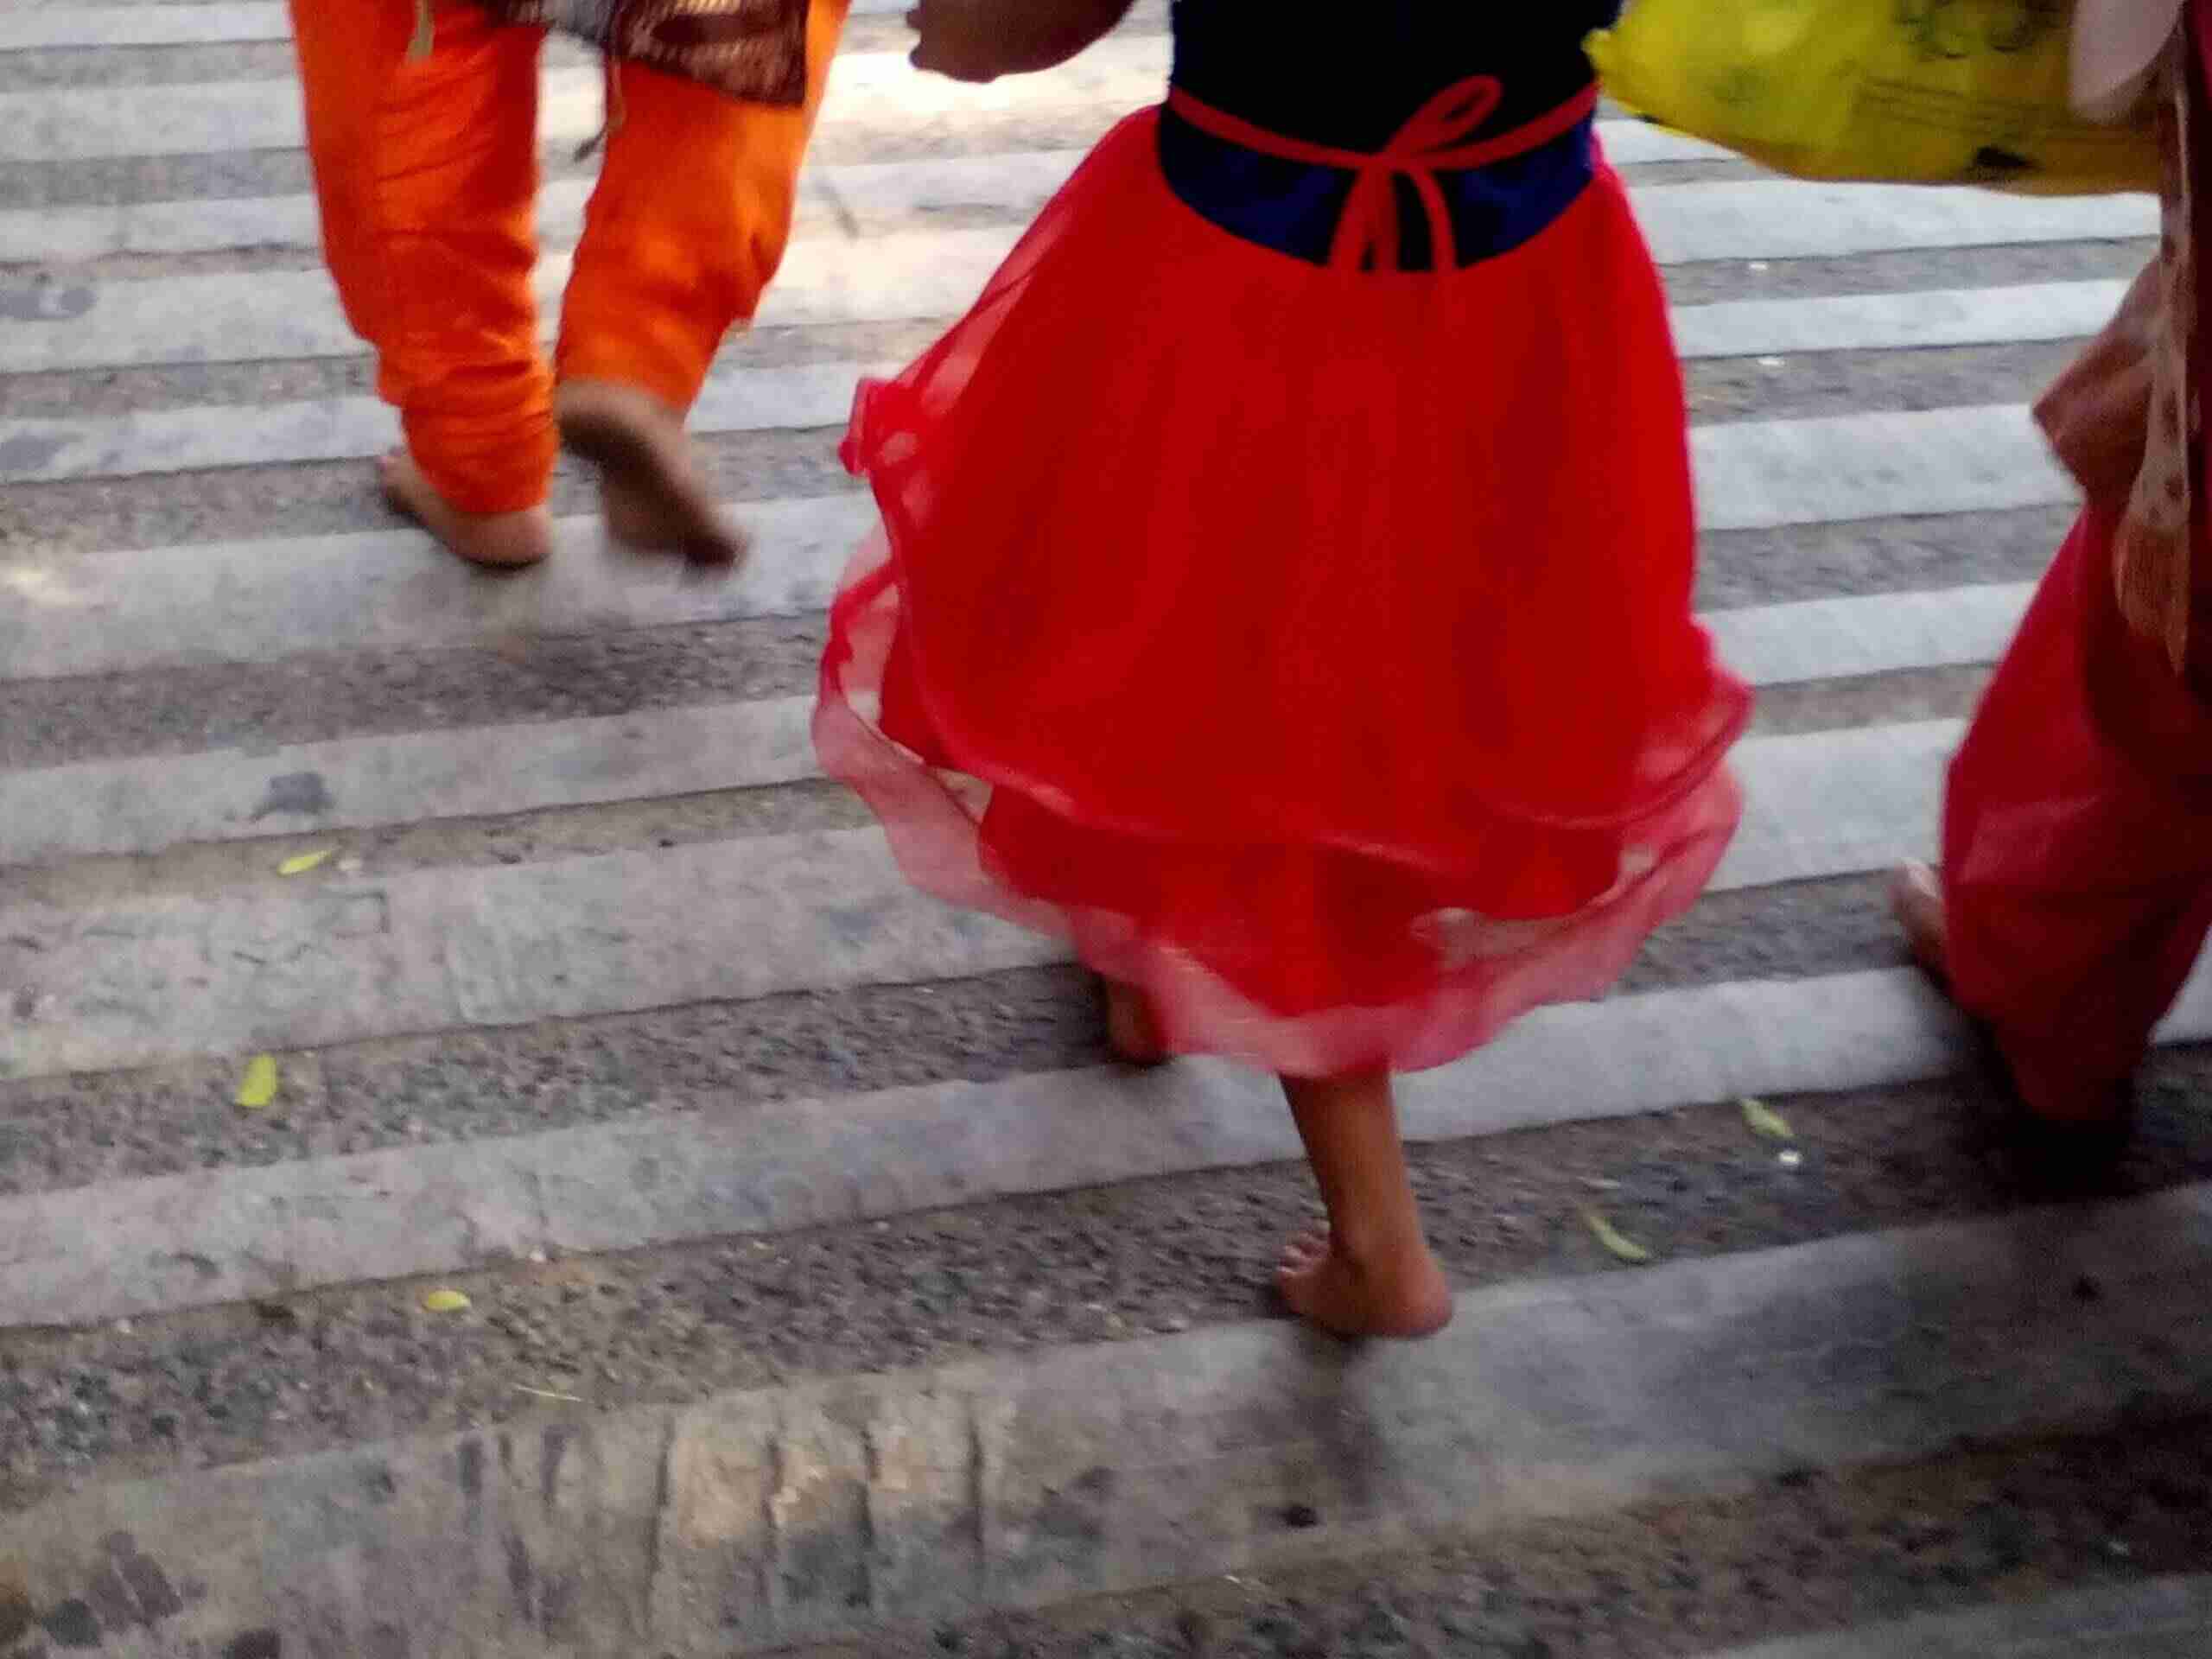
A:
[445,1301]
[1625,1248]
[258,1086]
[1764,1120]
[300,863]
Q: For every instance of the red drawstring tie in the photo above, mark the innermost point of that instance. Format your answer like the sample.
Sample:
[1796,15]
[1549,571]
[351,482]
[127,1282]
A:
[1427,145]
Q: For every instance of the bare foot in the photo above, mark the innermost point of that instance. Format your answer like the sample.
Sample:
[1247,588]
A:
[1131,1032]
[633,520]
[650,488]
[1329,1287]
[1916,900]
[498,541]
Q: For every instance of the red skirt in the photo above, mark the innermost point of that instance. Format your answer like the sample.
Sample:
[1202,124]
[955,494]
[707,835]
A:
[1312,648]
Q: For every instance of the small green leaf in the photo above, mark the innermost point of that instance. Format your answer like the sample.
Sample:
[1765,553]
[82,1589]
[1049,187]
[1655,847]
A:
[257,1088]
[300,863]
[1763,1119]
[1622,1247]
[446,1302]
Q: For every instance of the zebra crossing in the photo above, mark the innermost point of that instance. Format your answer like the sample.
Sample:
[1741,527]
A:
[187,527]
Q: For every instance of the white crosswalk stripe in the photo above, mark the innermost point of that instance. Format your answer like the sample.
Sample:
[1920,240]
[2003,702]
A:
[1712,220]
[249,602]
[137,26]
[178,440]
[144,805]
[204,669]
[299,964]
[140,1247]
[238,24]
[1831,469]
[259,601]
[1844,638]
[187,319]
[342,429]
[1822,803]
[379,957]
[867,89]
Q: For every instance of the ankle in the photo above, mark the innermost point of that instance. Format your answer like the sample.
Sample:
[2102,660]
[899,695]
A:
[615,397]
[1386,1256]
[521,538]
[1131,1031]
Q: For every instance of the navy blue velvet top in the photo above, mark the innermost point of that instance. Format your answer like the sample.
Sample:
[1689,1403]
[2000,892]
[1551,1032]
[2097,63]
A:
[1349,76]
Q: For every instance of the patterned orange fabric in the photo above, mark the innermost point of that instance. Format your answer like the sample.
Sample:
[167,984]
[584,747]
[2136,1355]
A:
[426,173]
[753,49]
[2128,417]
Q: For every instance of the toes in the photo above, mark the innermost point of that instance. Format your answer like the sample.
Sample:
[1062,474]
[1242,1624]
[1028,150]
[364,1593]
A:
[1915,886]
[1916,901]
[721,545]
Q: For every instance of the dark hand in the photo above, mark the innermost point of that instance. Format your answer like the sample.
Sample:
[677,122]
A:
[963,39]
[978,41]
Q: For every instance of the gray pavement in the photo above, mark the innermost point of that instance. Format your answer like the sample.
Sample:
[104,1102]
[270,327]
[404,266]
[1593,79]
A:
[825,1285]
[749,1521]
[2169,1620]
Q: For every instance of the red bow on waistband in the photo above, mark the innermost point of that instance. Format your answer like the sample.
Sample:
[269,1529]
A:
[1428,144]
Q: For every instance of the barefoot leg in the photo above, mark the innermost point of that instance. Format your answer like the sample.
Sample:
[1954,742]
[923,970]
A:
[1916,900]
[650,484]
[498,541]
[1372,1274]
[1131,1032]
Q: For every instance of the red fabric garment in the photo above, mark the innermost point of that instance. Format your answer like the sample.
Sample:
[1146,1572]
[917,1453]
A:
[1312,646]
[2077,837]
[2077,841]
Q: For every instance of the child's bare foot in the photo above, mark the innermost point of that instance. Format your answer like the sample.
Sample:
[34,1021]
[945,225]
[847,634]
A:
[1131,1032]
[1372,1273]
[498,541]
[649,486]
[1349,1297]
[1916,900]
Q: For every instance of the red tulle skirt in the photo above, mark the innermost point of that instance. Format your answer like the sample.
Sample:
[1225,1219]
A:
[1312,648]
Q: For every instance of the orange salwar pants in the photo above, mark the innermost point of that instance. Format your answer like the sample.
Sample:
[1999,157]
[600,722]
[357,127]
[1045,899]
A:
[2077,840]
[426,172]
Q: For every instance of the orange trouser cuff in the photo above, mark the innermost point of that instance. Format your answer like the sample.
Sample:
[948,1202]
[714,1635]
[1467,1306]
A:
[687,226]
[489,445]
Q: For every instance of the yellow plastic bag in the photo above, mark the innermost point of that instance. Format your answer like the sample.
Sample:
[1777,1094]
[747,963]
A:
[1915,92]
